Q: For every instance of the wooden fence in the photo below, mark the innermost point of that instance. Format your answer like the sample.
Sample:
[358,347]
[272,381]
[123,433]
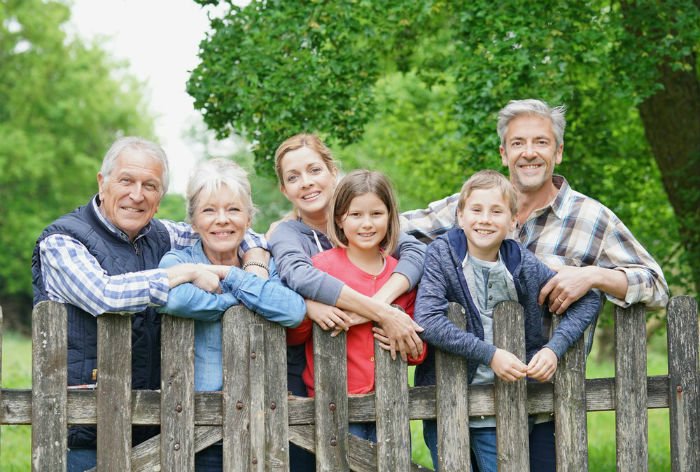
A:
[255,418]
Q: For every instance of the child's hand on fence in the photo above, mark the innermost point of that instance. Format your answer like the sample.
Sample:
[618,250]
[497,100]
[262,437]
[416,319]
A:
[542,365]
[355,320]
[507,366]
[326,316]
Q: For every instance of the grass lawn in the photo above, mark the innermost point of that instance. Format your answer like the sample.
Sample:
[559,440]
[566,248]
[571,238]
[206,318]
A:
[15,442]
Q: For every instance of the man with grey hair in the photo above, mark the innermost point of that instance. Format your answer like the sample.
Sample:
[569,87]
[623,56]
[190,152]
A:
[583,241]
[103,258]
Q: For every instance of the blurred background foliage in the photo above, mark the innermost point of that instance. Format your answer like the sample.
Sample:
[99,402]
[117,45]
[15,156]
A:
[410,88]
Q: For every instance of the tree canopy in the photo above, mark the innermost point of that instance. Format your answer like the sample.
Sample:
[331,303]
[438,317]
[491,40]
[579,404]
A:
[62,102]
[413,88]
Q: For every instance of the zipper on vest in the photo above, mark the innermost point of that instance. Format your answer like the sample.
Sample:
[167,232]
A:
[136,248]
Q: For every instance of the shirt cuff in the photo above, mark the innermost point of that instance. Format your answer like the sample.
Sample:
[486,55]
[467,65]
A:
[158,286]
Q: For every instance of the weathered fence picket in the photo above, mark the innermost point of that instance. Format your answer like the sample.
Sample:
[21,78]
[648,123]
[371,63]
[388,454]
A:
[331,401]
[570,408]
[684,384]
[177,394]
[49,380]
[631,389]
[511,397]
[255,418]
[452,403]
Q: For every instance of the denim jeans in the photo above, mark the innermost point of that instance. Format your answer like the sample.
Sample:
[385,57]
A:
[542,447]
[366,431]
[80,460]
[210,459]
[482,443]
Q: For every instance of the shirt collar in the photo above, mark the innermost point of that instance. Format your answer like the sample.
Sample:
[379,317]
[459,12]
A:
[561,197]
[465,261]
[110,226]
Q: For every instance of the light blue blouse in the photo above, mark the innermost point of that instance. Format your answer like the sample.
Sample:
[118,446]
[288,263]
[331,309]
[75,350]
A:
[268,298]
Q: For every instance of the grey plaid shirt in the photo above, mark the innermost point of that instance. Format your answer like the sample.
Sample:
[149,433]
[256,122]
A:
[573,230]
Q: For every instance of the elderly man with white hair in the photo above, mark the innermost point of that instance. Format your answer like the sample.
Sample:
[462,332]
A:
[103,258]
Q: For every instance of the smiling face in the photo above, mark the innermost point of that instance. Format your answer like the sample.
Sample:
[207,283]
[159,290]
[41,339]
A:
[366,222]
[307,182]
[130,195]
[221,218]
[486,220]
[530,152]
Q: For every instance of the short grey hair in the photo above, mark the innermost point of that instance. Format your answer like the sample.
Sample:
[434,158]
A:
[209,176]
[531,106]
[134,143]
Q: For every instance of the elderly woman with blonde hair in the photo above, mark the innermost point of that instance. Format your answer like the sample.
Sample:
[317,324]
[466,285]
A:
[220,209]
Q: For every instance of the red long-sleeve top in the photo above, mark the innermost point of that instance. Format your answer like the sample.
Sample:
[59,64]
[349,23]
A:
[360,341]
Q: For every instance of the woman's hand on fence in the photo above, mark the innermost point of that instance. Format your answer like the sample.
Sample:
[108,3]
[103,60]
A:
[402,333]
[327,317]
[542,365]
[507,366]
[207,279]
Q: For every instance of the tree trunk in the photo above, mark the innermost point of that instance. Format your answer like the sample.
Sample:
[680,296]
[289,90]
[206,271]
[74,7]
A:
[671,120]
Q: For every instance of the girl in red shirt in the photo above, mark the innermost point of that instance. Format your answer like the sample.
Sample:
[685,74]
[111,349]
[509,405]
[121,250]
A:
[364,226]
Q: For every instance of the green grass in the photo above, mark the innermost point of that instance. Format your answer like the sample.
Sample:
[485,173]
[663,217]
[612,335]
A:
[15,442]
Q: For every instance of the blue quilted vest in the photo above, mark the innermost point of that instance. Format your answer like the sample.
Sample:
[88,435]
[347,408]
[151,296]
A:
[116,256]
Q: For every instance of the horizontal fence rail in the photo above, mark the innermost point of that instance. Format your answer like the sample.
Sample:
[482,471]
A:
[255,418]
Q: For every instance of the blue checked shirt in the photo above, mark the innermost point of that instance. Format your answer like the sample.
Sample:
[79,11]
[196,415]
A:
[72,275]
[573,230]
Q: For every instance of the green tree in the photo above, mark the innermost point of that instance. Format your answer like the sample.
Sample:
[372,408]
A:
[415,88]
[62,102]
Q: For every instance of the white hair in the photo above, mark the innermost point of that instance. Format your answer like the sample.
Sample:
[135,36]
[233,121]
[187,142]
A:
[134,143]
[209,176]
[531,106]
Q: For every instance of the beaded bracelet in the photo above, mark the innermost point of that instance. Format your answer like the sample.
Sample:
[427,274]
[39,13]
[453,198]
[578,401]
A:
[256,264]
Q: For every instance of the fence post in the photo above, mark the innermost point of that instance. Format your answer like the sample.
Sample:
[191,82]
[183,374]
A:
[236,401]
[452,402]
[49,380]
[113,392]
[276,405]
[177,393]
[391,400]
[631,388]
[684,384]
[331,401]
[511,397]
[570,408]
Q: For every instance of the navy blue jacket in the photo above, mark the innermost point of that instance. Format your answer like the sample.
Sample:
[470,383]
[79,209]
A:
[443,282]
[116,256]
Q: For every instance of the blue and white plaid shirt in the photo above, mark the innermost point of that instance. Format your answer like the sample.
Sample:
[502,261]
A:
[573,230]
[72,275]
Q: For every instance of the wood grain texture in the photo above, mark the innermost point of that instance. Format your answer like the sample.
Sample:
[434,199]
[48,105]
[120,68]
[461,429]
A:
[511,397]
[49,380]
[452,402]
[393,432]
[570,408]
[177,393]
[631,389]
[113,392]
[684,384]
[331,401]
